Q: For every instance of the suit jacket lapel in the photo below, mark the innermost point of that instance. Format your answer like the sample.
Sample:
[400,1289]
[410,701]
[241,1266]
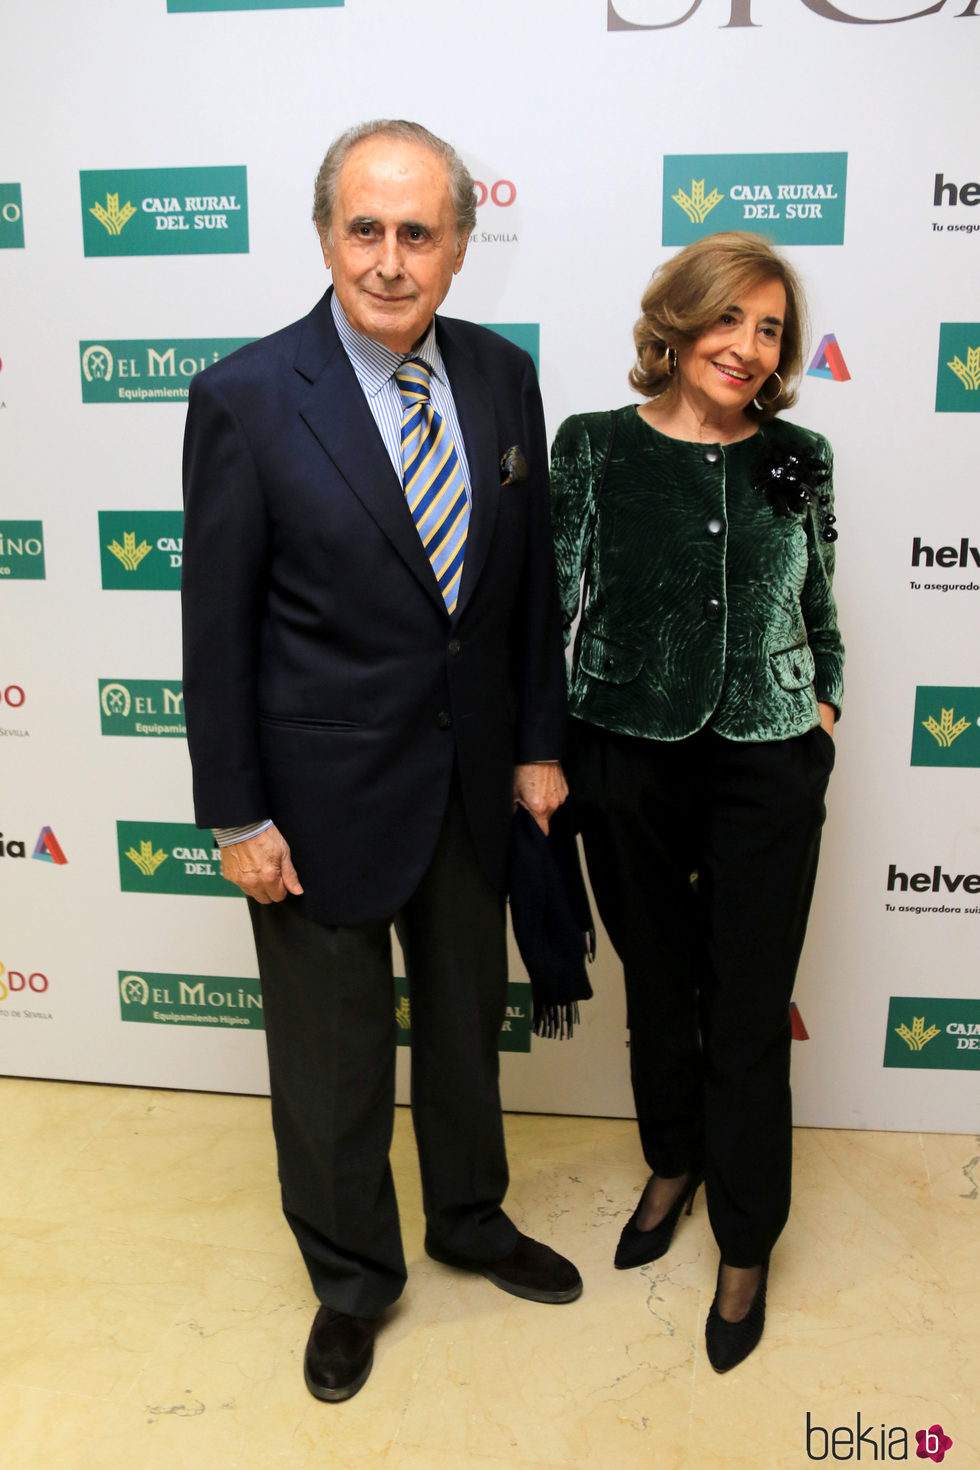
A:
[337,412]
[474,407]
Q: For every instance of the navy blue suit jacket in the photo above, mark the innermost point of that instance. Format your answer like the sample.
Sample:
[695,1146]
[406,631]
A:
[325,684]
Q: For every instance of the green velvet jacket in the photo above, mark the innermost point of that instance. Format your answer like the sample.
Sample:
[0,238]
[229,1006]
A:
[702,604]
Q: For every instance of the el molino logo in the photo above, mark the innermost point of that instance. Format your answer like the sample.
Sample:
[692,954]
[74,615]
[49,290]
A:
[662,15]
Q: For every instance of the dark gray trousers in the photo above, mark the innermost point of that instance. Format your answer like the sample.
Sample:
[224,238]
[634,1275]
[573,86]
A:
[330,1028]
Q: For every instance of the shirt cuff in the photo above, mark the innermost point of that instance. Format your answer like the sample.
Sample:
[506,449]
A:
[228,836]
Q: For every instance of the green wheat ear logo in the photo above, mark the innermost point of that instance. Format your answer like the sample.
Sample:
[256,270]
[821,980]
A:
[146,859]
[968,372]
[918,1037]
[945,732]
[695,205]
[129,553]
[403,1017]
[111,216]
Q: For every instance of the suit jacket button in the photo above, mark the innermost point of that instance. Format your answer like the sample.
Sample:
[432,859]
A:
[714,527]
[712,607]
[454,647]
[712,456]
[444,719]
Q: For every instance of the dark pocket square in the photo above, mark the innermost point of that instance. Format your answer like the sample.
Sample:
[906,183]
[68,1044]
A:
[513,465]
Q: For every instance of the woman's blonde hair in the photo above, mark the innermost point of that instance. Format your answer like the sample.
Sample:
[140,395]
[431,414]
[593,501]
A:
[688,293]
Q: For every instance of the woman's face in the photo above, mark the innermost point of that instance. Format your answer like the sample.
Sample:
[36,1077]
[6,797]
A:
[728,364]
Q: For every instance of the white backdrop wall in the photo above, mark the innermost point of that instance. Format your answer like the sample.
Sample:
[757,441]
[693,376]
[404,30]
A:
[570,113]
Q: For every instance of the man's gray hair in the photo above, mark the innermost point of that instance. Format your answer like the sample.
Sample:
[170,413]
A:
[461,187]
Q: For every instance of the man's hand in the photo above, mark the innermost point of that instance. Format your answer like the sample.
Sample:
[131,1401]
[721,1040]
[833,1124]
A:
[828,717]
[261,867]
[541,788]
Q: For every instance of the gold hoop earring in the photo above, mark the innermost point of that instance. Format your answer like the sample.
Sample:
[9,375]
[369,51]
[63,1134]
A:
[767,402]
[671,355]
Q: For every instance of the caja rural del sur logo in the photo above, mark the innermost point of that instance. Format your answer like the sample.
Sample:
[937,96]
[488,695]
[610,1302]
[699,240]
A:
[794,198]
[140,371]
[958,373]
[934,1033]
[170,857]
[165,211]
[946,726]
[663,15]
[11,218]
[515,1032]
[141,550]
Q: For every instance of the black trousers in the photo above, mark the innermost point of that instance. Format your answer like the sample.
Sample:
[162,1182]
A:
[329,1007]
[702,856]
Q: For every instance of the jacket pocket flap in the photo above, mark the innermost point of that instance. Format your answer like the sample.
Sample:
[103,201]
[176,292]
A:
[609,661]
[793,667]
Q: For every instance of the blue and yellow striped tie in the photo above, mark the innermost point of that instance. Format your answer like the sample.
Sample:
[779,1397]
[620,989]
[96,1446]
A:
[433,480]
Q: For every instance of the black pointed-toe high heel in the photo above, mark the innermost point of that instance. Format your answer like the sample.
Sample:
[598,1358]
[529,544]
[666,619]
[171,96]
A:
[729,1343]
[639,1247]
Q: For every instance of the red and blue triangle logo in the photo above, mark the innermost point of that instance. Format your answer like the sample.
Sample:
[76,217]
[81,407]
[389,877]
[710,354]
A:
[828,361]
[48,848]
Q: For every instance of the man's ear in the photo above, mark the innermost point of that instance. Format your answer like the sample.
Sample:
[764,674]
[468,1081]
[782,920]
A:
[327,249]
[461,245]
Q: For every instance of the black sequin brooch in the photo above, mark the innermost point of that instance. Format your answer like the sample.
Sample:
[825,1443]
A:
[791,481]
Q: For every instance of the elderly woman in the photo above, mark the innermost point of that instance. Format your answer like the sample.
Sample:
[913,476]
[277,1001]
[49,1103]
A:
[705,685]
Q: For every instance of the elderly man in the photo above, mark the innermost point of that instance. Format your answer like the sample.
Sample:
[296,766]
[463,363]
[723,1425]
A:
[373,677]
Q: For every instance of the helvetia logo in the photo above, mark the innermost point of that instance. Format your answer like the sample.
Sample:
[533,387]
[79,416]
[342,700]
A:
[795,198]
[11,218]
[946,726]
[958,372]
[828,361]
[946,193]
[932,1033]
[142,707]
[47,848]
[141,371]
[141,550]
[191,1000]
[165,211]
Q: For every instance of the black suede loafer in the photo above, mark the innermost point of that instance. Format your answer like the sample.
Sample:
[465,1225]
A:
[531,1270]
[339,1354]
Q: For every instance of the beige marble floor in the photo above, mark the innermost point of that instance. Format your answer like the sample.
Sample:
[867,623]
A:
[154,1310]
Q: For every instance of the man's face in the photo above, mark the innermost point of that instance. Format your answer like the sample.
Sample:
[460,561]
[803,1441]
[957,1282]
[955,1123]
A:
[393,249]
